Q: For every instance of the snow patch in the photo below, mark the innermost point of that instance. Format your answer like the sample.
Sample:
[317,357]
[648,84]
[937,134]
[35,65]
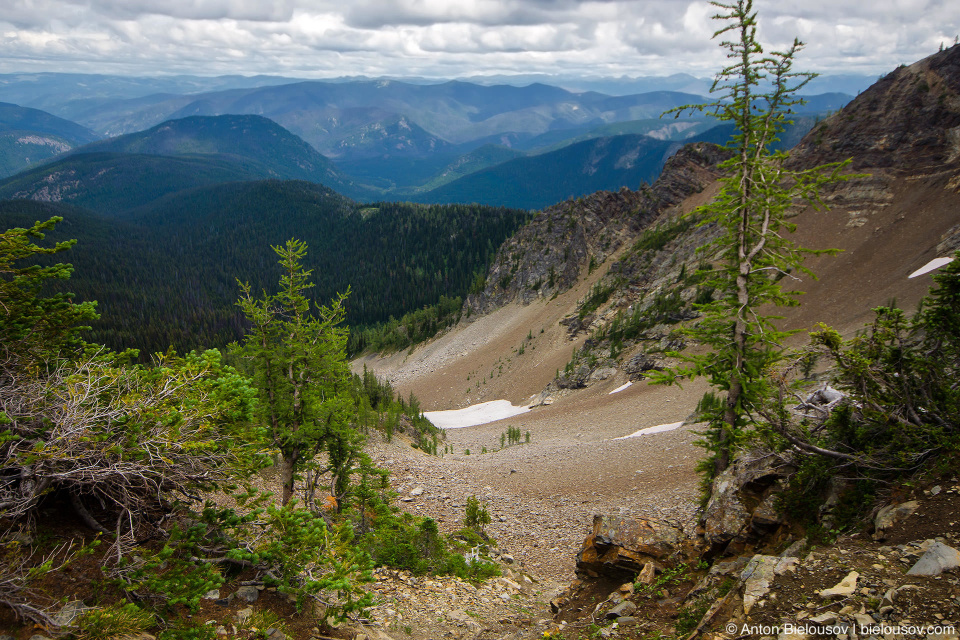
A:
[936,263]
[657,429]
[476,414]
[621,388]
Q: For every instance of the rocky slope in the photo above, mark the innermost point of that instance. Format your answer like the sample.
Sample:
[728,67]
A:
[898,579]
[908,121]
[893,216]
[549,255]
[644,574]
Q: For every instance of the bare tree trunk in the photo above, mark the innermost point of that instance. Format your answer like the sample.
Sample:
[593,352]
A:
[287,465]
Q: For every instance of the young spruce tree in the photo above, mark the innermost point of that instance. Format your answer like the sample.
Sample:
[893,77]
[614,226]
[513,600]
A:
[756,93]
[298,361]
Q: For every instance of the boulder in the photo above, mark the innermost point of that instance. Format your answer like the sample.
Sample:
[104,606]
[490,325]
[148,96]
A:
[824,618]
[248,593]
[70,612]
[603,374]
[752,479]
[766,516]
[937,559]
[576,379]
[622,610]
[890,515]
[842,589]
[759,574]
[621,547]
[648,574]
[558,603]
[639,364]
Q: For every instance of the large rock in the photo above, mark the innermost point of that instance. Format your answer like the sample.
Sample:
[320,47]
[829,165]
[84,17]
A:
[752,479]
[639,364]
[759,574]
[625,608]
[937,559]
[70,612]
[890,515]
[842,589]
[248,593]
[622,546]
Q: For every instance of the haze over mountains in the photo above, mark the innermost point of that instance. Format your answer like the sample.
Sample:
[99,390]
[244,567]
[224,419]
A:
[168,169]
[367,139]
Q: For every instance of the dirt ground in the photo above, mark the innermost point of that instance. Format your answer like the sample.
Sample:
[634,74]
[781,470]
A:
[542,495]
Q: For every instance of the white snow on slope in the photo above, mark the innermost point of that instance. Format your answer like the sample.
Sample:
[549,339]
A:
[647,431]
[936,263]
[620,388]
[476,414]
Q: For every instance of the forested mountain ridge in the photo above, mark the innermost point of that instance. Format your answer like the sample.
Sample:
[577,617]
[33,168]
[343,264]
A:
[30,136]
[599,164]
[129,171]
[165,274]
[110,183]
[253,141]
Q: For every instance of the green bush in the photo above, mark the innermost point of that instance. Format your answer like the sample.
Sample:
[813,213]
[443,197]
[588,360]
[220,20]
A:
[188,631]
[114,621]
[172,574]
[476,516]
[901,412]
[305,558]
[404,544]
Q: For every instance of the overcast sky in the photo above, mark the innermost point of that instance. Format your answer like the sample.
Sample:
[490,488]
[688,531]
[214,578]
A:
[451,38]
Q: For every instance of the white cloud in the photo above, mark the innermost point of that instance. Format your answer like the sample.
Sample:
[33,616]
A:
[316,38]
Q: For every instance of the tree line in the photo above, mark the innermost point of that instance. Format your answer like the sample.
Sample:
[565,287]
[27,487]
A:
[165,275]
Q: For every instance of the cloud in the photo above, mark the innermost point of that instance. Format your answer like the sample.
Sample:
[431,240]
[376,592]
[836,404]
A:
[255,10]
[318,38]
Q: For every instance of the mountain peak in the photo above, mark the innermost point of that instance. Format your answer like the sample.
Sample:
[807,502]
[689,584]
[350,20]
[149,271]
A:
[908,120]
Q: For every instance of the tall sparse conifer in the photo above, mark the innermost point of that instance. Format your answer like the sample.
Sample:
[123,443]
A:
[298,361]
[756,93]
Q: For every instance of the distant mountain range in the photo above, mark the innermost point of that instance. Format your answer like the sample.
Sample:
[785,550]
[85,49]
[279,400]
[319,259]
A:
[257,145]
[133,170]
[366,139]
[355,118]
[30,136]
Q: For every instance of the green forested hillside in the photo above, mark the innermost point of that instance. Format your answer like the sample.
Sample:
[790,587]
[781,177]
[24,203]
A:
[254,142]
[576,170]
[16,118]
[30,136]
[166,274]
[110,183]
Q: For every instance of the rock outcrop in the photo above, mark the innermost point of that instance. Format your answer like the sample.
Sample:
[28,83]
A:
[549,254]
[742,502]
[620,547]
[909,120]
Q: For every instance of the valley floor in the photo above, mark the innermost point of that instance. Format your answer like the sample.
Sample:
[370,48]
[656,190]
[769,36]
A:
[542,495]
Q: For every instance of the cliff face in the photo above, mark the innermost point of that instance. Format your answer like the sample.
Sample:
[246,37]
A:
[908,121]
[549,255]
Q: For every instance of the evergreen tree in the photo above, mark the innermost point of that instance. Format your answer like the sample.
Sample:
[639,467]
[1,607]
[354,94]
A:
[296,356]
[757,91]
[36,330]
